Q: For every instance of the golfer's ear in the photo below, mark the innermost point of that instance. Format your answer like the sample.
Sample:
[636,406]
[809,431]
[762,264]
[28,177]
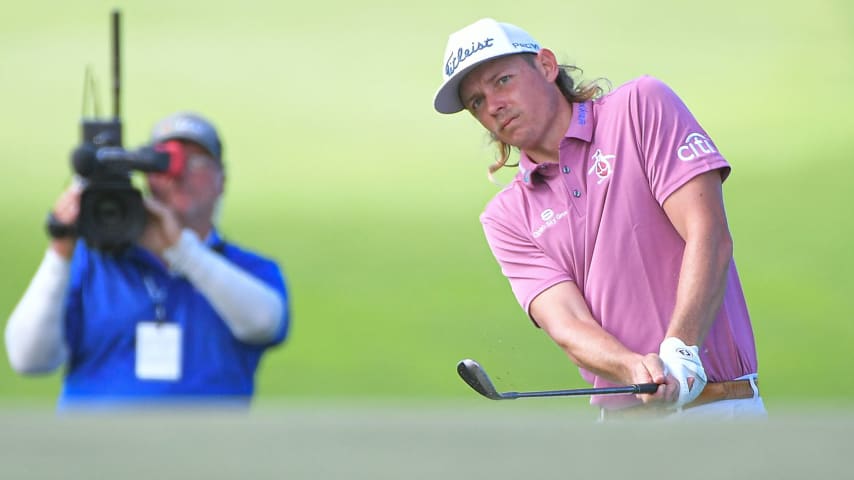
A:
[547,64]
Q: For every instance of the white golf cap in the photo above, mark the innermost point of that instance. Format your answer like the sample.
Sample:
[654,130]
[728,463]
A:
[483,40]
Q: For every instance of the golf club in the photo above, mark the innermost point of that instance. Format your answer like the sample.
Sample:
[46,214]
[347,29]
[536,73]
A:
[475,376]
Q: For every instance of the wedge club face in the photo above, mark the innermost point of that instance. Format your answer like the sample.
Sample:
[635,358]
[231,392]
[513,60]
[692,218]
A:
[472,373]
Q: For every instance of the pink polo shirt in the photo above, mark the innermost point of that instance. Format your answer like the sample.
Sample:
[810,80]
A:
[596,219]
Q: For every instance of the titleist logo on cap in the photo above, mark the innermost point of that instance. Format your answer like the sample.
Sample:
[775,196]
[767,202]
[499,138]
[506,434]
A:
[458,57]
[472,45]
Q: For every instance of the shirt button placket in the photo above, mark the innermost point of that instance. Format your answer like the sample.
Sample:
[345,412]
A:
[572,188]
[575,192]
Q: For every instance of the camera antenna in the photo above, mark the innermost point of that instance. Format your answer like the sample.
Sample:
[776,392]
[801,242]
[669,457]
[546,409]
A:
[90,87]
[116,64]
[96,130]
[90,93]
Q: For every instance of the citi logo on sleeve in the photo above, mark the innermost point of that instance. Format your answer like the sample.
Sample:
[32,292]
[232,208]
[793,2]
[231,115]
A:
[695,146]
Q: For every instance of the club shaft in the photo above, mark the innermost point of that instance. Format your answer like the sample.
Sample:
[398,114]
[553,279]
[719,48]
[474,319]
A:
[639,388]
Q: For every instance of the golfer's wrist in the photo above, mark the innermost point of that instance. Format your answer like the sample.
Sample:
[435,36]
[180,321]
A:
[631,369]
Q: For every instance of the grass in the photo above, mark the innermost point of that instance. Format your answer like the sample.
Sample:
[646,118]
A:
[420,442]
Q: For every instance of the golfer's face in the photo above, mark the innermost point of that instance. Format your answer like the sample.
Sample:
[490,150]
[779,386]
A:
[509,97]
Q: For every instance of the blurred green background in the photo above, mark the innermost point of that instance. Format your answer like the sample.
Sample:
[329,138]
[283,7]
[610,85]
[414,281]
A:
[339,168]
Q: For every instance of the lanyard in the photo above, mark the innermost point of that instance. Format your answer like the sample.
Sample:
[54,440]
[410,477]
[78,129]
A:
[158,297]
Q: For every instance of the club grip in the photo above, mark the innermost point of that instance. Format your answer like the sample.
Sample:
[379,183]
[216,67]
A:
[646,388]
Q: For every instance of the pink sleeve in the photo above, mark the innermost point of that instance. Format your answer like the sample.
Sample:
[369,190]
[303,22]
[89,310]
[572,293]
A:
[675,147]
[529,270]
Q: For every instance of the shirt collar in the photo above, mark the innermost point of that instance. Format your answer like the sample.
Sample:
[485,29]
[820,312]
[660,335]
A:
[213,240]
[580,127]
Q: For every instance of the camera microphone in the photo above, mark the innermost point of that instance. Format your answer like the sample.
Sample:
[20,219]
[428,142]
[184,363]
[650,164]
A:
[83,159]
[145,159]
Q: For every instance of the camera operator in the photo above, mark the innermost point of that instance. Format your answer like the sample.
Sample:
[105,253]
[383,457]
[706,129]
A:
[180,317]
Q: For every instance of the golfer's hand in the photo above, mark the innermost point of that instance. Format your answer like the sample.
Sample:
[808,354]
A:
[682,363]
[650,369]
[162,229]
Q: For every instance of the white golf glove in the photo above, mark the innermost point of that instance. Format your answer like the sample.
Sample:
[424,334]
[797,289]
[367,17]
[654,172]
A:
[682,362]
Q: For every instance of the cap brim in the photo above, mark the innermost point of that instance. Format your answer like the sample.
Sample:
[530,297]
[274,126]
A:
[448,96]
[447,99]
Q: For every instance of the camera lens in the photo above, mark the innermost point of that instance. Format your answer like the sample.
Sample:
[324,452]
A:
[112,215]
[109,212]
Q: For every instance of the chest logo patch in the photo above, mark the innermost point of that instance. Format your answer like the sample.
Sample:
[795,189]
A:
[547,214]
[550,219]
[602,165]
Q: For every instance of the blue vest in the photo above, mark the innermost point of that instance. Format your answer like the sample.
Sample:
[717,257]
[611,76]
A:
[108,297]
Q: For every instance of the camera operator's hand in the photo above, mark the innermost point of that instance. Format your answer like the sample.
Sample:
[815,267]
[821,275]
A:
[65,211]
[162,229]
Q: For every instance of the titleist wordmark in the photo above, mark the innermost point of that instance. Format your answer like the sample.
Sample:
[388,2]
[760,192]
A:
[462,54]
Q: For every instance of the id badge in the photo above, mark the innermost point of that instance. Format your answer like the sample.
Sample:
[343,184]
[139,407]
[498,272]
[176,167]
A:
[158,351]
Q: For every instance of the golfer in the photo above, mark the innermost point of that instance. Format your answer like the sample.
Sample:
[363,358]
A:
[613,234]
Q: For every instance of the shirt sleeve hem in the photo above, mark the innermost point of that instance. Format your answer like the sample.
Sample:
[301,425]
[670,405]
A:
[721,165]
[542,287]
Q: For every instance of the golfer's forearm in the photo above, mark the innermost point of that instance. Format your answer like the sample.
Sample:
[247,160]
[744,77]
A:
[35,342]
[595,350]
[562,312]
[702,283]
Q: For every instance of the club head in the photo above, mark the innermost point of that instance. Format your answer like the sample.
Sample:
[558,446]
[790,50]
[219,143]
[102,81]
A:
[472,373]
